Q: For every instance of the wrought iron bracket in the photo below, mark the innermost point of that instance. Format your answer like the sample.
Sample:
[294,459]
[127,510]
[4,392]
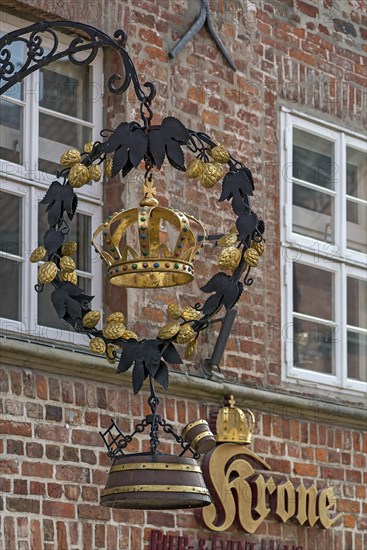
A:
[210,365]
[204,18]
[39,55]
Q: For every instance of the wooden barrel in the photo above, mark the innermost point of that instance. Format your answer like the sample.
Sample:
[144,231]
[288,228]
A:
[199,436]
[148,482]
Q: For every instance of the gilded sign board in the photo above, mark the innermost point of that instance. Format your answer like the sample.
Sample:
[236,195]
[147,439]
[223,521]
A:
[242,496]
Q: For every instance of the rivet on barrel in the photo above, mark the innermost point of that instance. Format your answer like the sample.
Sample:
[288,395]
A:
[199,436]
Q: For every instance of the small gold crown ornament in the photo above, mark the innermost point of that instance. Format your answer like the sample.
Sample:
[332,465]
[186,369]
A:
[140,254]
[231,424]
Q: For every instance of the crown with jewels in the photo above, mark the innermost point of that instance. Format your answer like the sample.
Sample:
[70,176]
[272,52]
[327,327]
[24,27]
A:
[136,250]
[231,424]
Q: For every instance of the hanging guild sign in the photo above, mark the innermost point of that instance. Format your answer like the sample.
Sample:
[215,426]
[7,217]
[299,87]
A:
[241,495]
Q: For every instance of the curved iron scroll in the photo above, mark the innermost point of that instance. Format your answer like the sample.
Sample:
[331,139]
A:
[37,56]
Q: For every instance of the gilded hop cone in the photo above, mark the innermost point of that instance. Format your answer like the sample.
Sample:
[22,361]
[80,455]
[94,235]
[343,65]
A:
[258,246]
[191,314]
[129,335]
[219,154]
[47,272]
[174,312]
[97,345]
[67,264]
[185,335]
[113,330]
[111,353]
[70,277]
[69,248]
[194,168]
[37,255]
[78,175]
[190,349]
[212,172]
[251,257]
[94,172]
[229,258]
[117,317]
[70,158]
[169,330]
[88,147]
[227,240]
[91,319]
[108,167]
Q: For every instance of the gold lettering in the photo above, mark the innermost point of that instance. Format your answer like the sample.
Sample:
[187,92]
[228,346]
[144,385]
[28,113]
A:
[259,489]
[285,502]
[306,505]
[326,499]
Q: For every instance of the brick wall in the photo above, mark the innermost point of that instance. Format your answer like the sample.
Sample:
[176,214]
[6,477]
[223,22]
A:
[54,467]
[305,55]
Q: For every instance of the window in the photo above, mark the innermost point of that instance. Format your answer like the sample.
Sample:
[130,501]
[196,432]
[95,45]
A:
[52,110]
[324,254]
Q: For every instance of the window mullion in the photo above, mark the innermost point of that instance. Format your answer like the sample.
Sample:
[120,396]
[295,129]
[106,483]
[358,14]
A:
[342,210]
[33,267]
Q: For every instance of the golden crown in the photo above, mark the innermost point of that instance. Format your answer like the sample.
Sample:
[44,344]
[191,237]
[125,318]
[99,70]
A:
[231,424]
[164,258]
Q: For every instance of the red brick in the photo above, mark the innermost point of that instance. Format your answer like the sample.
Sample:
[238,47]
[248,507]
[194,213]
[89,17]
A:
[62,540]
[344,505]
[33,469]
[15,428]
[58,509]
[87,511]
[41,384]
[36,535]
[303,469]
[52,433]
[23,505]
[73,473]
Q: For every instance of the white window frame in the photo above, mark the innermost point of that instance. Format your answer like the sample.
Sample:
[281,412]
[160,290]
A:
[336,258]
[31,184]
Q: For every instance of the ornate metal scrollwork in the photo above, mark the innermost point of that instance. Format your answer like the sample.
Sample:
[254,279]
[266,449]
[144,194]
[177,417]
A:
[37,56]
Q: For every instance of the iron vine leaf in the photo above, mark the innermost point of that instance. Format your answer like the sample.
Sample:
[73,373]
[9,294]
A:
[237,187]
[246,224]
[59,197]
[171,355]
[162,375]
[68,300]
[52,240]
[167,140]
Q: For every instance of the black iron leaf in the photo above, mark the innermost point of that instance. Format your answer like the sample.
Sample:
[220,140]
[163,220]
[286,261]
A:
[246,223]
[175,155]
[232,294]
[167,140]
[54,212]
[138,376]
[212,303]
[67,300]
[118,137]
[216,283]
[132,352]
[74,206]
[171,355]
[175,129]
[52,240]
[120,158]
[127,168]
[162,375]
[157,146]
[261,226]
[138,147]
[151,356]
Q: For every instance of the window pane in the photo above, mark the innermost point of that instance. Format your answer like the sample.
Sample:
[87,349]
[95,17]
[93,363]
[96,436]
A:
[47,315]
[17,58]
[357,226]
[11,224]
[313,159]
[356,173]
[313,291]
[357,302]
[11,131]
[313,213]
[10,289]
[56,137]
[357,354]
[64,88]
[80,232]
[313,346]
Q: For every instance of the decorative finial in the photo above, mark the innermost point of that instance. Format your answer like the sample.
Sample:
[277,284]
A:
[230,402]
[149,194]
